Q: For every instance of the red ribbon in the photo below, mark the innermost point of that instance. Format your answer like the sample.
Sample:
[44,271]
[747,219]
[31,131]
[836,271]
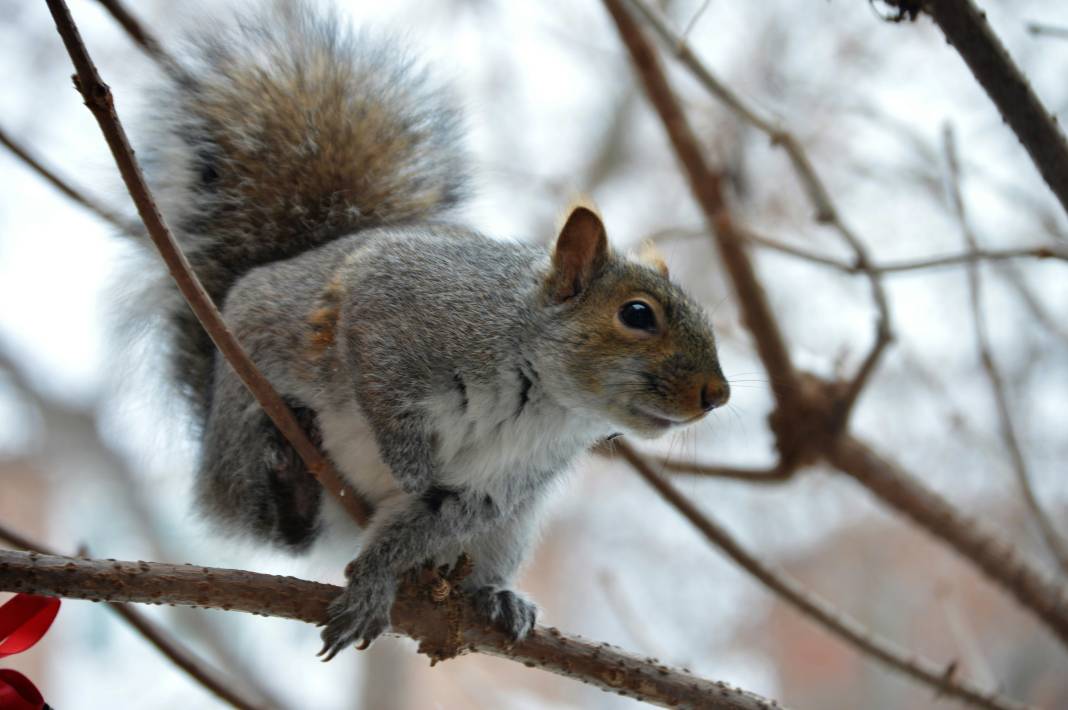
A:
[24,619]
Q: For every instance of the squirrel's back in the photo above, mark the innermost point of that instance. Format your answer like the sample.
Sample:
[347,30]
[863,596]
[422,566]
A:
[285,130]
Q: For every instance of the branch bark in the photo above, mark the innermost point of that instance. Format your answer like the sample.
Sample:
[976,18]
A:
[98,99]
[994,556]
[966,28]
[178,654]
[443,628]
[845,627]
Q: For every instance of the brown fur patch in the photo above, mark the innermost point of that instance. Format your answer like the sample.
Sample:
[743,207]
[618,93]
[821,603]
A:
[322,322]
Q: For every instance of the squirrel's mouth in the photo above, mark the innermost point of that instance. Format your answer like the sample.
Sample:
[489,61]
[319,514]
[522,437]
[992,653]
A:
[661,420]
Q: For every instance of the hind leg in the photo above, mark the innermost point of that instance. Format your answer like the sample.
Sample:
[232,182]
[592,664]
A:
[250,477]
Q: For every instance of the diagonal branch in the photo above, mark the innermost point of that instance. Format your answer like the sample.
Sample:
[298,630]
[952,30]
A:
[974,541]
[706,188]
[178,654]
[443,628]
[53,178]
[966,28]
[839,624]
[1050,535]
[98,98]
[826,211]
[142,37]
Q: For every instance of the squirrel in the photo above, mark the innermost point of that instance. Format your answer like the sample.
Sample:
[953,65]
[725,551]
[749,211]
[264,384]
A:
[309,172]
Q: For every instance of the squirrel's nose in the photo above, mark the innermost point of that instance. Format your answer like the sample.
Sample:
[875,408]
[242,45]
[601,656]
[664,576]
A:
[714,394]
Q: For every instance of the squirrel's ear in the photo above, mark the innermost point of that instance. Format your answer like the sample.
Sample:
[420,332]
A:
[581,251]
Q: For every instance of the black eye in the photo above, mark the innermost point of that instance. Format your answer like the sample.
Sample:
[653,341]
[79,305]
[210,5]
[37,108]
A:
[638,315]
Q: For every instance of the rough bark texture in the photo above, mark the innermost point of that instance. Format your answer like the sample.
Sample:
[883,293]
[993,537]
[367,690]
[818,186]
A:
[429,609]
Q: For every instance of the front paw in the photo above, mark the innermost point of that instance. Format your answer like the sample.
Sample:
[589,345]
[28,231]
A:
[360,613]
[509,611]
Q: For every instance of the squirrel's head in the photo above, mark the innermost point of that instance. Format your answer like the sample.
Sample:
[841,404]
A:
[640,352]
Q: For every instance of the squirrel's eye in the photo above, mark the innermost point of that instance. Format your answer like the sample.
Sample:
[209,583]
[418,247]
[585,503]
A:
[639,315]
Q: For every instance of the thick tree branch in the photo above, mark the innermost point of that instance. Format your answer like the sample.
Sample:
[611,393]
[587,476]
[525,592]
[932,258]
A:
[98,98]
[839,624]
[444,628]
[967,29]
[178,654]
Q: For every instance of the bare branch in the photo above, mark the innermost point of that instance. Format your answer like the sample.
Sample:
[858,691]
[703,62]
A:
[1052,538]
[823,613]
[118,221]
[984,548]
[1039,29]
[443,628]
[140,35]
[825,209]
[707,190]
[967,29]
[748,475]
[178,654]
[974,256]
[892,268]
[98,98]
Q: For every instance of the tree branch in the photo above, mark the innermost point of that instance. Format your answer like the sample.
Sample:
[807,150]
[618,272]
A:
[706,188]
[178,654]
[143,38]
[118,221]
[748,475]
[966,28]
[1046,528]
[993,555]
[444,628]
[826,212]
[823,613]
[98,98]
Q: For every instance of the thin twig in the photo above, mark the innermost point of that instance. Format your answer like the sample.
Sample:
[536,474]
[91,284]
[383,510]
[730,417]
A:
[1040,253]
[142,37]
[748,475]
[132,228]
[971,257]
[1049,533]
[98,98]
[823,613]
[443,628]
[170,647]
[1039,29]
[966,28]
[820,197]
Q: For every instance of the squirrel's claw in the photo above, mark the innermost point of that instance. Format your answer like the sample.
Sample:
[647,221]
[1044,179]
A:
[509,611]
[360,613]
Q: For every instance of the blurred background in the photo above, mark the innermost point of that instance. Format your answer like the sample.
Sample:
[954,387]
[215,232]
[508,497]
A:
[94,453]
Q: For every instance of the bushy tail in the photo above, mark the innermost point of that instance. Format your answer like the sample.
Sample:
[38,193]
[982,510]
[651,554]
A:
[288,130]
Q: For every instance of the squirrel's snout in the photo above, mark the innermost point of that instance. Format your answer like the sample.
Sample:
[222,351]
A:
[714,393]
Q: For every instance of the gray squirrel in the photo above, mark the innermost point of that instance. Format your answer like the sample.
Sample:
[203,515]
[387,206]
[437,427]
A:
[308,172]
